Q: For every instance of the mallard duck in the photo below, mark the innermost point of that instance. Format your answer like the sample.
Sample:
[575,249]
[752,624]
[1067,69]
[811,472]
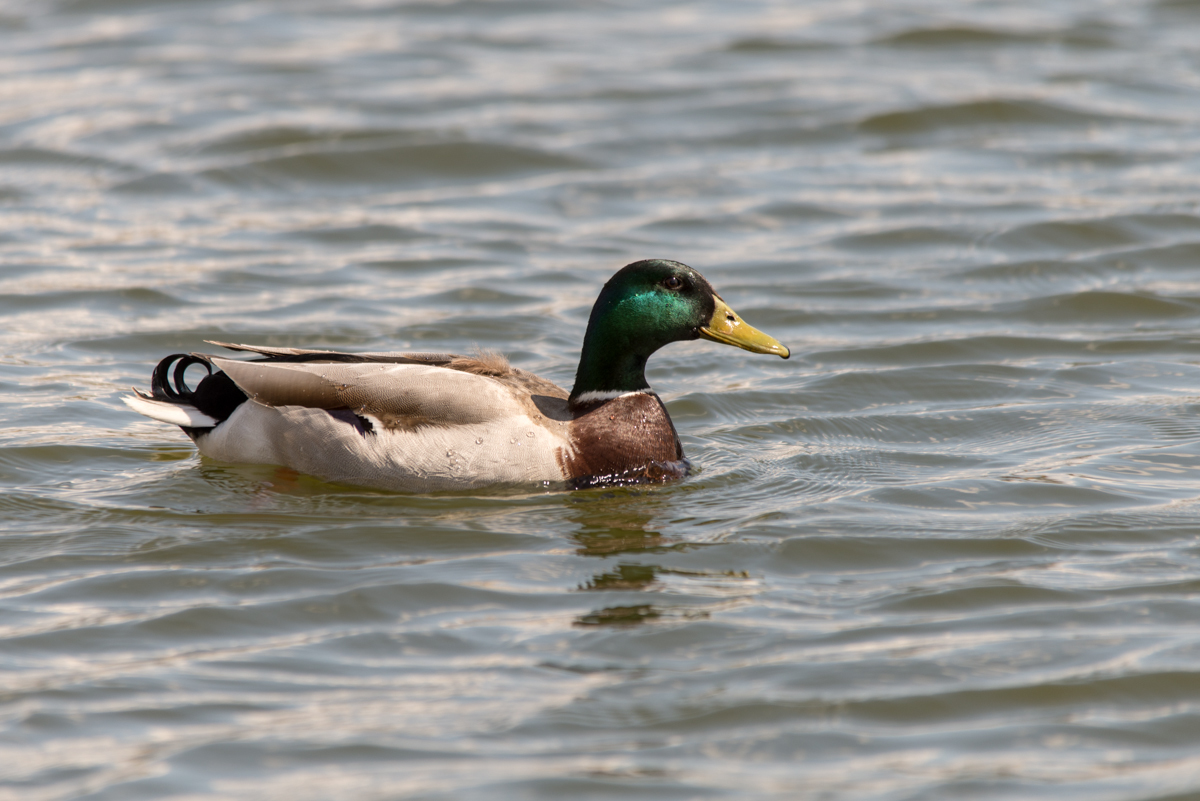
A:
[424,422]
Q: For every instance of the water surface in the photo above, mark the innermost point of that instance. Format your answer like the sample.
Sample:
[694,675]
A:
[948,550]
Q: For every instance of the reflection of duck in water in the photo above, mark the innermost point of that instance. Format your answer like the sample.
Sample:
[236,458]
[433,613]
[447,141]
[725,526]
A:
[612,524]
[611,527]
[425,422]
[620,526]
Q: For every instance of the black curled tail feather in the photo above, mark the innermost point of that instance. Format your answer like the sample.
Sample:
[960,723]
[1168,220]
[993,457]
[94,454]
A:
[170,385]
[216,395]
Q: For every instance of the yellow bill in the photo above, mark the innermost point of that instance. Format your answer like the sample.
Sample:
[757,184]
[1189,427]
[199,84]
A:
[725,326]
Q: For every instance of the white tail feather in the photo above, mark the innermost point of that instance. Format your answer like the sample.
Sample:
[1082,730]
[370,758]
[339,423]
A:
[180,414]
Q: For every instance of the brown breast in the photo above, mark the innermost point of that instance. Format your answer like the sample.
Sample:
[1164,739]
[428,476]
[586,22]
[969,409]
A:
[627,440]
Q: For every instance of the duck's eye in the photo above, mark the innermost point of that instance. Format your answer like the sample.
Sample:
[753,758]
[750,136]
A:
[673,282]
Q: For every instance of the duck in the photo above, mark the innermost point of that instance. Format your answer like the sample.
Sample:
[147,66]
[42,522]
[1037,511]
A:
[432,422]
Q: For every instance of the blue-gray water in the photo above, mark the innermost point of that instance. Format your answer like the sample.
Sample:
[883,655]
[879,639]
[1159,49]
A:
[949,550]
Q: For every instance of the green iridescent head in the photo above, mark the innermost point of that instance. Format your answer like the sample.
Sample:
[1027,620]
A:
[649,304]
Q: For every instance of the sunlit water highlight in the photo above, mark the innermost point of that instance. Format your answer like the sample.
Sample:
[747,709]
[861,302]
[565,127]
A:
[948,550]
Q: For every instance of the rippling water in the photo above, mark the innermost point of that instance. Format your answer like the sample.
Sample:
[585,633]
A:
[948,550]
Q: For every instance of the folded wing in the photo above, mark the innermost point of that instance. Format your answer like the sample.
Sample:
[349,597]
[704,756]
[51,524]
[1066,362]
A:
[400,395]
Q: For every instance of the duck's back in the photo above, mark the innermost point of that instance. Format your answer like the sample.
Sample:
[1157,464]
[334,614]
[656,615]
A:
[413,427]
[394,426]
